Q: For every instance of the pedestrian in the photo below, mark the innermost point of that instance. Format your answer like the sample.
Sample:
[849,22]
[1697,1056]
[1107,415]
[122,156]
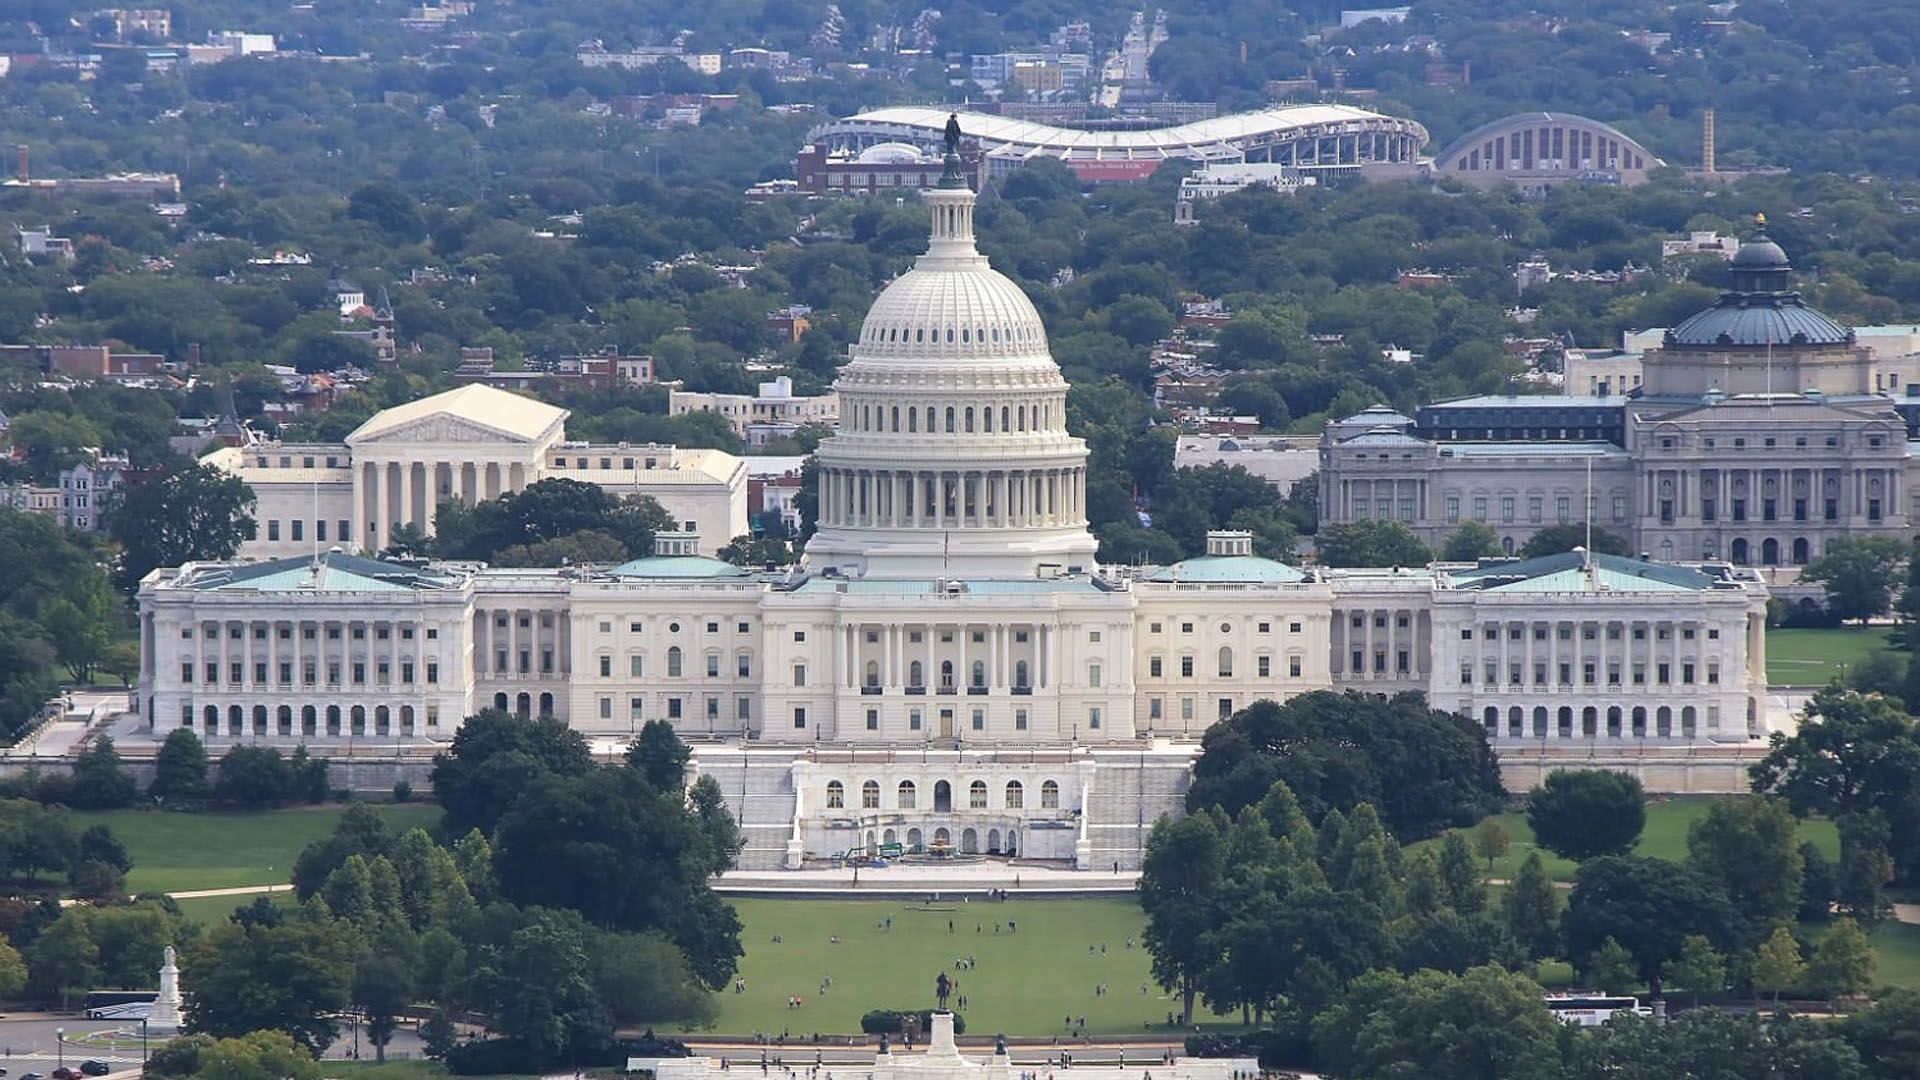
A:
[949,926]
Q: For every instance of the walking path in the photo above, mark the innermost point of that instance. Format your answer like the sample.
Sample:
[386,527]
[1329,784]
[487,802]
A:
[237,890]
[1907,913]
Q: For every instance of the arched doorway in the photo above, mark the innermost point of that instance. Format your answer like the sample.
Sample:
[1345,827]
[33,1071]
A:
[1639,721]
[307,720]
[872,843]
[523,704]
[993,841]
[333,719]
[546,706]
[1013,843]
[1663,722]
[1770,552]
[942,797]
[942,840]
[500,702]
[1687,721]
[1539,721]
[889,837]
[1589,721]
[913,841]
[1799,551]
[1564,722]
[969,842]
[1516,721]
[1737,552]
[1492,719]
[358,719]
[1613,721]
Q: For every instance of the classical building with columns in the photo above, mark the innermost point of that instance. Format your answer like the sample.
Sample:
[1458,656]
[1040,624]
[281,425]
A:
[472,443]
[1758,436]
[949,670]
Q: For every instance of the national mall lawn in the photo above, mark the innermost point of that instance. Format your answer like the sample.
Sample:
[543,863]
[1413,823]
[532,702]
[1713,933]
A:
[1023,982]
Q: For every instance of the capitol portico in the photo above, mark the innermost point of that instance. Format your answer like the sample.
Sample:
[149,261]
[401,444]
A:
[949,670]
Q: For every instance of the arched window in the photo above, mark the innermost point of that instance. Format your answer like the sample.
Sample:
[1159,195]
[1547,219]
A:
[382,720]
[1022,414]
[1516,720]
[1050,795]
[333,719]
[234,721]
[1491,718]
[931,426]
[979,680]
[946,674]
[949,419]
[870,795]
[836,795]
[913,421]
[969,420]
[673,661]
[977,795]
[873,674]
[1003,418]
[906,794]
[308,721]
[1226,661]
[357,719]
[1020,674]
[283,720]
[1016,795]
[406,719]
[986,418]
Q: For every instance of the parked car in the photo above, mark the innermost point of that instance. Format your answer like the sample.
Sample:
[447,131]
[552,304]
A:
[95,1068]
[64,1073]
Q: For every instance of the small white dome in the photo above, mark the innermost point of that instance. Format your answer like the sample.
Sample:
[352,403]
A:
[891,153]
[940,312]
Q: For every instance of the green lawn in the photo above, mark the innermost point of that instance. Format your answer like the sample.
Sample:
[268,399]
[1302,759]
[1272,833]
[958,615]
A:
[1814,657]
[175,852]
[1665,837]
[1024,983]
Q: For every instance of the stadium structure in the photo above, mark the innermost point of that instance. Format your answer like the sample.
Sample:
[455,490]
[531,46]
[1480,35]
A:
[1317,139]
[1536,150]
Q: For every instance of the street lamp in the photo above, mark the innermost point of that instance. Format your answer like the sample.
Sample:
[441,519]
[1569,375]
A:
[60,1045]
[143,1044]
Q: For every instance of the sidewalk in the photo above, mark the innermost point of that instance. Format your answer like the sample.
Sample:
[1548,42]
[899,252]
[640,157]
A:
[958,879]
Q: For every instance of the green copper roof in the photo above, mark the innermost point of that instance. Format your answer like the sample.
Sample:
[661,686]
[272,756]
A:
[677,566]
[329,572]
[1567,572]
[1210,568]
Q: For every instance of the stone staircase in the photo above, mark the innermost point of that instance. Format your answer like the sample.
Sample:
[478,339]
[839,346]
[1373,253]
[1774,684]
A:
[759,792]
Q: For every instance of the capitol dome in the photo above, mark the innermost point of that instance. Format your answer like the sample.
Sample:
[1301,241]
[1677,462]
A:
[1762,310]
[952,458]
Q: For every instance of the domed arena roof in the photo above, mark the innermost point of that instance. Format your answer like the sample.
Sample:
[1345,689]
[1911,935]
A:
[888,153]
[1761,310]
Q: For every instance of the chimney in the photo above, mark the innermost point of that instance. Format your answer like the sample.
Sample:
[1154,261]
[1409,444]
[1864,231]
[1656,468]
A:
[193,355]
[1706,142]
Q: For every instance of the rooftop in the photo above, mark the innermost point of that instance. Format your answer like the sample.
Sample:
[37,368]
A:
[1571,571]
[1227,568]
[498,410]
[330,571]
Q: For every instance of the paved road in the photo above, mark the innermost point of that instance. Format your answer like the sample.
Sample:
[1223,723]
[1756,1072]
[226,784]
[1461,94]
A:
[28,1044]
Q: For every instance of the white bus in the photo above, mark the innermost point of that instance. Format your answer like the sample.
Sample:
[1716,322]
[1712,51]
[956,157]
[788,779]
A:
[1592,1009]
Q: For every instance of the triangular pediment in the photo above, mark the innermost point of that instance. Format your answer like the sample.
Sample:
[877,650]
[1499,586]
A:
[438,428]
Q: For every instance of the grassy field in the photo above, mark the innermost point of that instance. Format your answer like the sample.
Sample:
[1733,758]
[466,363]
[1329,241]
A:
[1023,982]
[174,852]
[1815,657]
[1665,837]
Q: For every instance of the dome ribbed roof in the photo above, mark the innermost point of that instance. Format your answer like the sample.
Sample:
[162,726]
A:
[952,311]
[1761,309]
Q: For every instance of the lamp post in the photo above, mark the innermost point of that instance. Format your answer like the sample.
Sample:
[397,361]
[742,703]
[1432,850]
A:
[143,1044]
[60,1045]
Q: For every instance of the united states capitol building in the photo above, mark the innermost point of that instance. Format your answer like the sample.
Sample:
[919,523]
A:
[949,669]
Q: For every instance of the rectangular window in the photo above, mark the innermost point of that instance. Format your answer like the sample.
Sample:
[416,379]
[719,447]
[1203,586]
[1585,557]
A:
[673,708]
[1506,508]
[799,674]
[606,667]
[1019,719]
[1619,508]
[913,720]
[636,665]
[1153,666]
[1093,716]
[979,720]
[873,719]
[406,671]
[1186,667]
[743,708]
[1293,666]
[606,708]
[433,671]
[799,716]
[273,529]
[295,525]
[1093,674]
[1533,509]
[186,672]
[1154,705]
[1480,508]
[1453,509]
[1263,666]
[1563,509]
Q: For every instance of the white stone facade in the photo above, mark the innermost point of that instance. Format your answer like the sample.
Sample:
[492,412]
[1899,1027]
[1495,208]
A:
[948,670]
[471,444]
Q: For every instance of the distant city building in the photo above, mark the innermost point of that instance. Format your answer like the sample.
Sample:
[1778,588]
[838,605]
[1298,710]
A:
[156,22]
[1534,151]
[1600,372]
[790,323]
[596,55]
[472,443]
[1700,243]
[156,186]
[605,369]
[1353,17]
[40,243]
[1280,460]
[879,168]
[1045,73]
[1210,181]
[246,43]
[773,412]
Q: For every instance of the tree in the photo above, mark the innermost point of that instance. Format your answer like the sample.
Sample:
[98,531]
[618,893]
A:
[1423,770]
[382,990]
[1850,752]
[1887,1035]
[384,205]
[1491,840]
[64,960]
[1857,573]
[1471,542]
[1711,1044]
[537,987]
[13,972]
[1776,963]
[1580,813]
[1865,866]
[98,844]
[253,776]
[360,831]
[1373,542]
[1609,967]
[180,767]
[1486,1023]
[1466,892]
[257,1055]
[294,977]
[1842,963]
[495,757]
[660,756]
[192,512]
[625,855]
[1650,906]
[1555,539]
[100,781]
[645,979]
[1749,846]
[80,624]
[1183,865]
[1532,909]
[1700,967]
[1909,604]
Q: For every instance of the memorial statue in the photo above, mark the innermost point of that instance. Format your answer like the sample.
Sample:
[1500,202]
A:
[942,986]
[953,133]
[165,1015]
